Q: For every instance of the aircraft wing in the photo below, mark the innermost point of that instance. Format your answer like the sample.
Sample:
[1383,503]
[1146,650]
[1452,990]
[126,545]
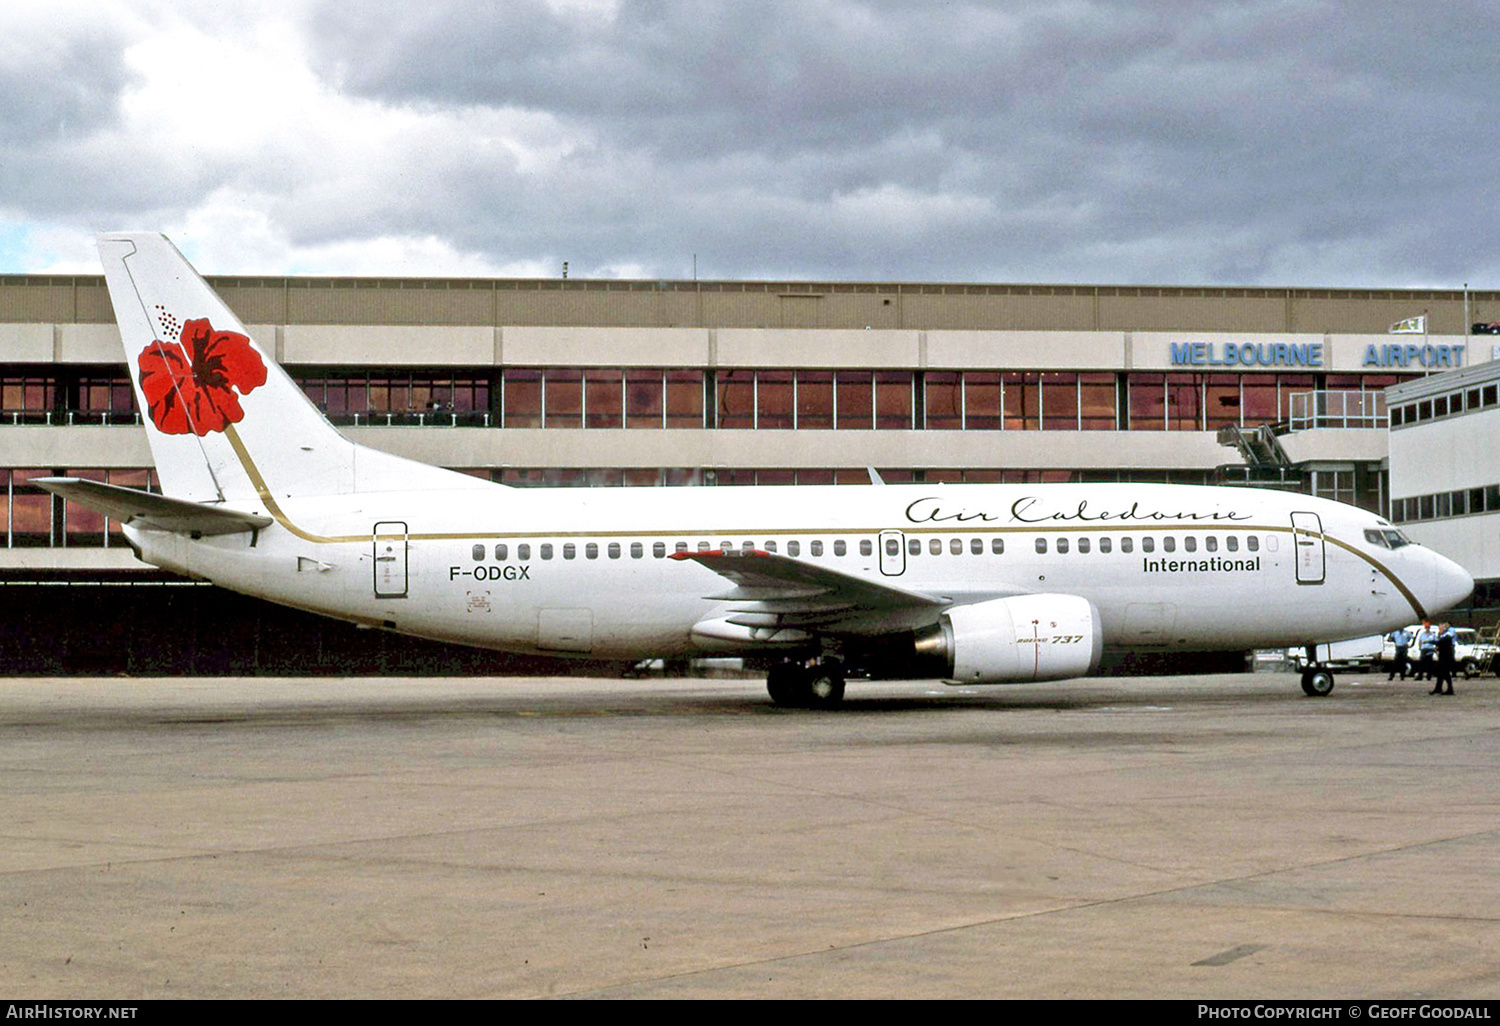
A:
[143,509]
[773,592]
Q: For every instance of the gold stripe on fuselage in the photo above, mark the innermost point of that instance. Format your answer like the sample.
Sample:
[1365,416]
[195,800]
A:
[264,491]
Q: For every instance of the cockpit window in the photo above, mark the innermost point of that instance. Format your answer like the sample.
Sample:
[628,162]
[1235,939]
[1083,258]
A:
[1386,538]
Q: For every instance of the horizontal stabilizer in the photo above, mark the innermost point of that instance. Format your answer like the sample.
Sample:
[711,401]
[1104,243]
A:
[143,509]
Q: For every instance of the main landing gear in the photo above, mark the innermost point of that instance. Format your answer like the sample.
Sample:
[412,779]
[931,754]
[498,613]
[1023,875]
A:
[1316,681]
[795,685]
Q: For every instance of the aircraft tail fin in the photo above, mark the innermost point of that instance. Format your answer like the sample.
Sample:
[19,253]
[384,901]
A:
[225,423]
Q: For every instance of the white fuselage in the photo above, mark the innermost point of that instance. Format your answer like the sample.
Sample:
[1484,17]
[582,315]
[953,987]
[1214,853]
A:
[585,571]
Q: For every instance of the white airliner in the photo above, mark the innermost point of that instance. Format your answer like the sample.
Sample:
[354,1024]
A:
[977,584]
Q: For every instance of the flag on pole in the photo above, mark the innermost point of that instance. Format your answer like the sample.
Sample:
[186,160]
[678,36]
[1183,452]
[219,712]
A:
[1410,326]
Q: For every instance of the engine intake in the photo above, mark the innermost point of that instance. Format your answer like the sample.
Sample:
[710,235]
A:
[1013,640]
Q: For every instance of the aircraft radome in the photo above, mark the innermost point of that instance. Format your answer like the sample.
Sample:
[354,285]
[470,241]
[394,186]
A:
[976,584]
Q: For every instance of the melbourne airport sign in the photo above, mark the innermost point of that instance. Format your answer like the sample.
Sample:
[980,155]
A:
[1427,356]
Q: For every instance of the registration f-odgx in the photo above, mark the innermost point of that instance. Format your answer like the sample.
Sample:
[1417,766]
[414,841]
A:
[975,584]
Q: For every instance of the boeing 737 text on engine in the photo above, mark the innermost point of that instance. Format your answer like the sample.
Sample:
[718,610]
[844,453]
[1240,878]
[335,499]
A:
[979,584]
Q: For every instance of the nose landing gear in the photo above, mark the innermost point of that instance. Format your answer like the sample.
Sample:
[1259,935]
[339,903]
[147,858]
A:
[1317,682]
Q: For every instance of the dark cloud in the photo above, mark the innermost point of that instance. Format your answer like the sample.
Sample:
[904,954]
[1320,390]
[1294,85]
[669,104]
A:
[1258,142]
[56,89]
[1252,132]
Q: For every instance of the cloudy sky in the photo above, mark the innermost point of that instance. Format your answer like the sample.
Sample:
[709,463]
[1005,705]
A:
[1264,142]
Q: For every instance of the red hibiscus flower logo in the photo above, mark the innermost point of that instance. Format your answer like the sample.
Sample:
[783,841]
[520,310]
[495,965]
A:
[190,385]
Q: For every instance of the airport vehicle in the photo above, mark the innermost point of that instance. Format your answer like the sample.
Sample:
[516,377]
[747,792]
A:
[1472,655]
[970,583]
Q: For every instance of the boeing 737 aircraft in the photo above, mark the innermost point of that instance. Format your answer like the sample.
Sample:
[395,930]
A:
[978,584]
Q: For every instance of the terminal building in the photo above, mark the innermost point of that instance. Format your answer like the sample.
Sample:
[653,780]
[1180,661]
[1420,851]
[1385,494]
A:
[1445,468]
[703,384]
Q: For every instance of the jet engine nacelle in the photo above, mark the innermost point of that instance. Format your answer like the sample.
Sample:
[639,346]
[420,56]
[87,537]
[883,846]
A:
[1011,640]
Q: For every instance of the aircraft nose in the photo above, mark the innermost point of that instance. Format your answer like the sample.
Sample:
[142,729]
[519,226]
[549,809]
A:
[1451,583]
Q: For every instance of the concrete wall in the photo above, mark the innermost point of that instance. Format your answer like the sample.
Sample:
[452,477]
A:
[770,304]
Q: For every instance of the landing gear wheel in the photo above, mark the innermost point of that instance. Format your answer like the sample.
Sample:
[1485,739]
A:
[794,686]
[825,686]
[1317,683]
[786,683]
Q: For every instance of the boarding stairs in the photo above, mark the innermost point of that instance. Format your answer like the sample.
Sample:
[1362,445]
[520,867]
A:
[1266,462]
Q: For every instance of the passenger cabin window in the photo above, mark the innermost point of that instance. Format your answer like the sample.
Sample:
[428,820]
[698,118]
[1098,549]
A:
[914,546]
[1190,543]
[546,550]
[1041,545]
[794,548]
[1106,544]
[1211,543]
[501,552]
[637,550]
[956,546]
[839,548]
[614,550]
[815,547]
[523,551]
[892,547]
[1062,545]
[935,546]
[770,546]
[1232,543]
[1148,544]
[865,547]
[976,546]
[659,550]
[1169,544]
[570,550]
[680,547]
[997,545]
[1127,544]
[591,550]
[478,553]
[1252,543]
[1083,545]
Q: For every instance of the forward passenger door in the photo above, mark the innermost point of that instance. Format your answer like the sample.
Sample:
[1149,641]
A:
[1307,537]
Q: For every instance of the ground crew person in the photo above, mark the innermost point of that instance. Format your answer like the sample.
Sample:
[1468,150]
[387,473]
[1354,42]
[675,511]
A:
[1447,661]
[1401,638]
[1427,639]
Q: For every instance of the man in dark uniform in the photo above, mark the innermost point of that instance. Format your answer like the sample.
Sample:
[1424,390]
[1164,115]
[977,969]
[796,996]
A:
[1447,660]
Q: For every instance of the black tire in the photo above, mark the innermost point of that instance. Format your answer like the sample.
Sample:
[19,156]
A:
[786,683]
[1317,683]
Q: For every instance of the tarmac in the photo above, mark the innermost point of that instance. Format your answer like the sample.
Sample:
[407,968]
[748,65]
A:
[1195,838]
